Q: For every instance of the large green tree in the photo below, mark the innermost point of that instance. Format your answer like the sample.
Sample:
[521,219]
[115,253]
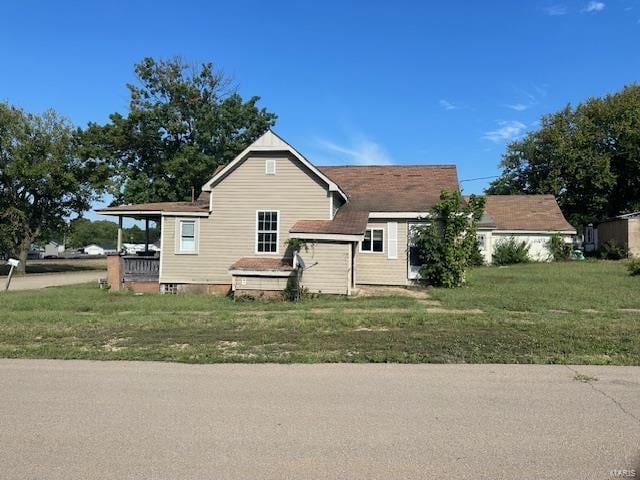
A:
[43,180]
[587,156]
[183,121]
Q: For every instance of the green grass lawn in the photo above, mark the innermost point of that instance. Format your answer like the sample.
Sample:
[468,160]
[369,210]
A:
[579,313]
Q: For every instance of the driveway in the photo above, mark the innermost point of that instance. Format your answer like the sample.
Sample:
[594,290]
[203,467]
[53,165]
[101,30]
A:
[34,280]
[128,420]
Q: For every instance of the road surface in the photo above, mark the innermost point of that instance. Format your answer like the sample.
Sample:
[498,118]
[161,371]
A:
[128,420]
[42,280]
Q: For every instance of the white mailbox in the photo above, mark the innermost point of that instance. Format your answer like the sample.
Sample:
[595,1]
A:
[13,262]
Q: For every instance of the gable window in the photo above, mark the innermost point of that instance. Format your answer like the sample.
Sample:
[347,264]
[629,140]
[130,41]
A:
[267,231]
[187,233]
[373,240]
[270,166]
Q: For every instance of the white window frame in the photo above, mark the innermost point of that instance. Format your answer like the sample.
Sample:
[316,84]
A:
[196,235]
[383,241]
[277,212]
[267,162]
[481,241]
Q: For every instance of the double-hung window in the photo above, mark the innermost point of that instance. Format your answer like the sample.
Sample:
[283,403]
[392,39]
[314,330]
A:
[187,232]
[267,231]
[373,240]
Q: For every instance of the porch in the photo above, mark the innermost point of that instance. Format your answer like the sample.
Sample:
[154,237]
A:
[135,266]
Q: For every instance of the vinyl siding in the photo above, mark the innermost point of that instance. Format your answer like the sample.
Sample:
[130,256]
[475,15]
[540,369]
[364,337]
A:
[260,283]
[331,273]
[229,233]
[375,268]
[538,243]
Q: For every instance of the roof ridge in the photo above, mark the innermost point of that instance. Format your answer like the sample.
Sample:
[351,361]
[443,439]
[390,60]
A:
[413,165]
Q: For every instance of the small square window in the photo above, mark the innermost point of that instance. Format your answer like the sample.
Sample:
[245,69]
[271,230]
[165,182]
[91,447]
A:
[373,240]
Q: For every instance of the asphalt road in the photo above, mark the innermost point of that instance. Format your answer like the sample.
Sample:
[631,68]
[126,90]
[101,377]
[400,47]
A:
[34,281]
[127,420]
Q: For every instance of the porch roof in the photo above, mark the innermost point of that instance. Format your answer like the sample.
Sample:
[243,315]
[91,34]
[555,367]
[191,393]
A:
[156,209]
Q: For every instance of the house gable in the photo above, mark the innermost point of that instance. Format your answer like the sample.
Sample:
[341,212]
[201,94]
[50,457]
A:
[270,143]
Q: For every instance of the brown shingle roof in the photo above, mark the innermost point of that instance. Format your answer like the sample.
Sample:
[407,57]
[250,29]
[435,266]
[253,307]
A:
[389,188]
[526,212]
[394,188]
[157,207]
[262,263]
[347,221]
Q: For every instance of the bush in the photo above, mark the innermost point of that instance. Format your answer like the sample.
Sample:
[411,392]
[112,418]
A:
[510,251]
[559,249]
[613,251]
[634,267]
[446,244]
[476,258]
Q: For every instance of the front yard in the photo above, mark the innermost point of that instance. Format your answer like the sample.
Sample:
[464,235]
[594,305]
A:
[574,313]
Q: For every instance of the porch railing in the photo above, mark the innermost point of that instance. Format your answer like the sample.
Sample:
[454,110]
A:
[141,269]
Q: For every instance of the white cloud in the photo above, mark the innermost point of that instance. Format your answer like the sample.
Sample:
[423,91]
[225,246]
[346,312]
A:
[509,130]
[555,10]
[447,105]
[519,107]
[361,151]
[593,7]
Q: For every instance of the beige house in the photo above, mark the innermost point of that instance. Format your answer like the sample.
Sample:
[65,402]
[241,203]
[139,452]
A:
[357,222]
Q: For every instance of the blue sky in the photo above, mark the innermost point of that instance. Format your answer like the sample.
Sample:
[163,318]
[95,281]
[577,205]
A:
[352,82]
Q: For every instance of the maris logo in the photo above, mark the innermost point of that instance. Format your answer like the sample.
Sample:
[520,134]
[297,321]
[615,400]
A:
[623,473]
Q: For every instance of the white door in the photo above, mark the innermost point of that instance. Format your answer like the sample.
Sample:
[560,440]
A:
[413,259]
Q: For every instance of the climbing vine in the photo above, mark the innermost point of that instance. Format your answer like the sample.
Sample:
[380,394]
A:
[446,245]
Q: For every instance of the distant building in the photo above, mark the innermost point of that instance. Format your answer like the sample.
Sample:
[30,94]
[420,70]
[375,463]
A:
[94,249]
[135,248]
[623,230]
[53,250]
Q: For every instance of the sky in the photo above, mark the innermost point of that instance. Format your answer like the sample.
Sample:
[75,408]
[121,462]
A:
[352,82]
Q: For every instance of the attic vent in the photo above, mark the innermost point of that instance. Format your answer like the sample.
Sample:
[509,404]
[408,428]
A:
[270,166]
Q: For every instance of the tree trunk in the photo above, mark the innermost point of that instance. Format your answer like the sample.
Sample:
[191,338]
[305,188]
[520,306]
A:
[25,246]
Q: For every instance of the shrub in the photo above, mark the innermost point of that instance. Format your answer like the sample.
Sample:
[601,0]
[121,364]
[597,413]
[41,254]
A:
[559,249]
[295,291]
[634,266]
[445,246]
[510,251]
[476,258]
[611,250]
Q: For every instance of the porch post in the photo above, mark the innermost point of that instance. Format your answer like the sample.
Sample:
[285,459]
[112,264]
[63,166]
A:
[119,233]
[146,235]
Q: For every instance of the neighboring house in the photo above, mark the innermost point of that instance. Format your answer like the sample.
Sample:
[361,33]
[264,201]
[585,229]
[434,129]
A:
[529,218]
[357,220]
[135,248]
[53,250]
[621,230]
[94,249]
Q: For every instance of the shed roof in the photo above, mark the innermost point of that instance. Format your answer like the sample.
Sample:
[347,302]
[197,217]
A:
[263,264]
[526,212]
